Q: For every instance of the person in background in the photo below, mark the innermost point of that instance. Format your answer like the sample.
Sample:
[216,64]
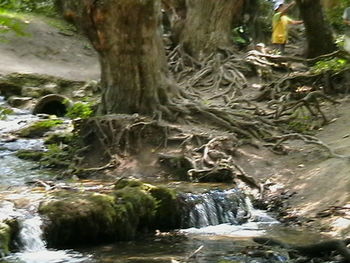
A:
[346,17]
[280,22]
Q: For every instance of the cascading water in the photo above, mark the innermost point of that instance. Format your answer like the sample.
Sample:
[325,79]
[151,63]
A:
[14,173]
[33,247]
[214,208]
[31,233]
[223,212]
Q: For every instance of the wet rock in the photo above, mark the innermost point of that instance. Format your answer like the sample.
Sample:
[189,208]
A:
[9,230]
[30,155]
[5,238]
[176,165]
[33,92]
[19,102]
[38,129]
[76,218]
[215,175]
[7,88]
[49,88]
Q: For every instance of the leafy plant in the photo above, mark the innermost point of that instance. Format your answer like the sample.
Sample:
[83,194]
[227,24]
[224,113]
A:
[335,14]
[334,64]
[4,112]
[45,7]
[80,110]
[10,23]
[37,129]
[56,156]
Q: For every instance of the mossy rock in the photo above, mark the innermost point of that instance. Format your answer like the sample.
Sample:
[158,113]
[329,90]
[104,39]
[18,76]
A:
[39,128]
[90,218]
[8,88]
[5,239]
[168,209]
[8,231]
[75,219]
[127,183]
[58,138]
[167,213]
[41,80]
[31,155]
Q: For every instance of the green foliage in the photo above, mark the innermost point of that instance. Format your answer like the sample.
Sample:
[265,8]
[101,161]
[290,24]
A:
[335,14]
[80,110]
[48,123]
[9,23]
[31,155]
[333,64]
[57,156]
[4,112]
[38,128]
[45,7]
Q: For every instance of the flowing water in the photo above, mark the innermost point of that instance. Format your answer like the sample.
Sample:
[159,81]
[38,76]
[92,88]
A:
[220,222]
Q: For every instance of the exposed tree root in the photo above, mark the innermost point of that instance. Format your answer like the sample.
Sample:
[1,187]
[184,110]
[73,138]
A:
[220,73]
[207,156]
[305,138]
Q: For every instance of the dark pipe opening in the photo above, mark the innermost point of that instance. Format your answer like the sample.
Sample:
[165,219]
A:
[53,104]
[54,108]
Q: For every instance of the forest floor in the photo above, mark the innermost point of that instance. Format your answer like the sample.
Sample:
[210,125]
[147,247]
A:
[318,187]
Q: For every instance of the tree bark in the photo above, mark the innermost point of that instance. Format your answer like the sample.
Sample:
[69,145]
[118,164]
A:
[127,37]
[318,32]
[208,25]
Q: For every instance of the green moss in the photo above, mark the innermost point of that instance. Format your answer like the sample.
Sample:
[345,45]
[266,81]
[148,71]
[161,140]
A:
[5,238]
[168,210]
[90,218]
[62,148]
[80,110]
[84,218]
[58,138]
[39,128]
[127,183]
[30,155]
[8,231]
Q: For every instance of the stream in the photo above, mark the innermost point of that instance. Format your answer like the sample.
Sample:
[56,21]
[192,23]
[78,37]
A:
[215,222]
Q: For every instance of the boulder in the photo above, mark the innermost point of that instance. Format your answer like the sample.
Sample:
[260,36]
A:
[79,218]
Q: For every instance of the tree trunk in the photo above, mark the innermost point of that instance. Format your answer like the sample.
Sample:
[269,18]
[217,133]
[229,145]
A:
[318,32]
[127,37]
[208,25]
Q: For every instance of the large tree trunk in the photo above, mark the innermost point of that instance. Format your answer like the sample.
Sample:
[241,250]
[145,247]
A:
[127,37]
[208,25]
[318,32]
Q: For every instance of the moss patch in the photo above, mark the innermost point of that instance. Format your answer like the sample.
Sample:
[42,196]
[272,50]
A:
[5,238]
[8,231]
[29,155]
[38,128]
[76,219]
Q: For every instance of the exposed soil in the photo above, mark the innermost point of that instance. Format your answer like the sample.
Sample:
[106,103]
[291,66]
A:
[321,184]
[51,48]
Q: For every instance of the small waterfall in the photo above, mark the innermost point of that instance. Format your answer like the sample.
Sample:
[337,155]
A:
[33,247]
[31,234]
[214,208]
[223,212]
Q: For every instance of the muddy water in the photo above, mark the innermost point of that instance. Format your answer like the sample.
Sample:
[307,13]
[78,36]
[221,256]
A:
[220,240]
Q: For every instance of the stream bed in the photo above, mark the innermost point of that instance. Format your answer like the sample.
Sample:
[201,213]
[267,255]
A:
[212,229]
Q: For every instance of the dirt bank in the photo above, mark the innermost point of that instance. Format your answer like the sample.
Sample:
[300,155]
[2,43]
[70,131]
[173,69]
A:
[50,47]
